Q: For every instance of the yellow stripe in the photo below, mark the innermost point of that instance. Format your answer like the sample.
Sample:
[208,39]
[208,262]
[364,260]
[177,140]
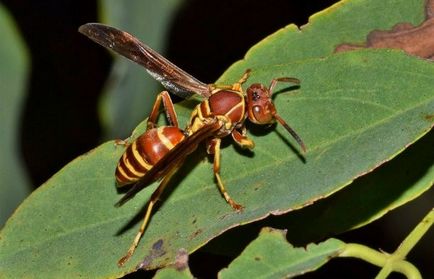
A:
[164,140]
[121,170]
[132,169]
[208,108]
[139,158]
[234,108]
[199,112]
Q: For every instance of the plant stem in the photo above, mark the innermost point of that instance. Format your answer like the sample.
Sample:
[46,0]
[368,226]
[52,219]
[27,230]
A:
[365,253]
[404,267]
[414,237]
[396,261]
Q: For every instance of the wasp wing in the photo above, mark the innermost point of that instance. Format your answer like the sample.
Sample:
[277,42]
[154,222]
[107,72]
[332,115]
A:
[169,75]
[172,160]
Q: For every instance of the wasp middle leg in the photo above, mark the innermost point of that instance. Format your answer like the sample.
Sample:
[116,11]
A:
[213,147]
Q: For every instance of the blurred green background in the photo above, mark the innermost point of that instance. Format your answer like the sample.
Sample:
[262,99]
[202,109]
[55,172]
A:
[61,94]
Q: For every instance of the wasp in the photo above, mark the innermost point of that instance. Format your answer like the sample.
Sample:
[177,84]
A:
[160,151]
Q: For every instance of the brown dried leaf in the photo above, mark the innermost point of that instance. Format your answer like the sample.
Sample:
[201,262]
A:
[415,40]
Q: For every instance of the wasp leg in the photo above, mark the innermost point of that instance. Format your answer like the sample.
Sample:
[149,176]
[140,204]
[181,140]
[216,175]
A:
[214,148]
[282,79]
[236,86]
[241,139]
[245,76]
[154,198]
[169,109]
[124,142]
[214,86]
[243,79]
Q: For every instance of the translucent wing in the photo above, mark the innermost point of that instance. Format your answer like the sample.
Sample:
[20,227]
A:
[172,160]
[169,75]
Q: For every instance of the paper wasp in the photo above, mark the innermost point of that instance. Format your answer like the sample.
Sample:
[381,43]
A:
[160,151]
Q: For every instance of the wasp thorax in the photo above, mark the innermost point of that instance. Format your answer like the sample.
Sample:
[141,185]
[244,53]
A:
[260,108]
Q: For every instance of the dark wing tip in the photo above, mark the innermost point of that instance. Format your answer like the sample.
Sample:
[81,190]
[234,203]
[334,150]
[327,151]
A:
[103,34]
[123,200]
[89,28]
[129,195]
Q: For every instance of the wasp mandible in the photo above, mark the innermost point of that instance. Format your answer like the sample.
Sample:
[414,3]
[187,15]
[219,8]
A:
[160,151]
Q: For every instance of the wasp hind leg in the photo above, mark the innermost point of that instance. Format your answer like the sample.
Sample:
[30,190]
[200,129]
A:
[169,109]
[123,142]
[213,147]
[154,198]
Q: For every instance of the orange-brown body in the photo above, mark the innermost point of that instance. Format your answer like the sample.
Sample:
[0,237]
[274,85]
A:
[227,105]
[142,154]
[160,152]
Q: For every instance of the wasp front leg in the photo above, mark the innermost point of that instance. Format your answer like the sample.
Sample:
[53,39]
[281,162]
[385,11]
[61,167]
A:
[236,86]
[243,79]
[213,147]
[241,139]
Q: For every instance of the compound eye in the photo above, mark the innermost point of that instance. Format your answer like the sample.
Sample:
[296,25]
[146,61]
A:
[257,110]
[262,116]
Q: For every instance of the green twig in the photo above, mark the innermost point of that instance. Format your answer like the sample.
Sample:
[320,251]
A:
[396,261]
[365,253]
[414,237]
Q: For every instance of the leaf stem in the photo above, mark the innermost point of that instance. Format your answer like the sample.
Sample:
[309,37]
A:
[404,267]
[413,238]
[396,261]
[365,253]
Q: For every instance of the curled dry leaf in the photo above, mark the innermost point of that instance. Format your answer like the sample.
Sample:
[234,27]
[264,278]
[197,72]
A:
[415,40]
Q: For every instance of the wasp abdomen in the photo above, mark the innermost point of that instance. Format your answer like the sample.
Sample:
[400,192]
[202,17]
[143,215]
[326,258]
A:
[141,155]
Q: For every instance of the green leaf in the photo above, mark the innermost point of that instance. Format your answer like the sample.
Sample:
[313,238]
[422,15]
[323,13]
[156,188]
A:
[178,270]
[368,198]
[346,21]
[271,256]
[13,77]
[354,111]
[172,272]
[72,215]
[130,90]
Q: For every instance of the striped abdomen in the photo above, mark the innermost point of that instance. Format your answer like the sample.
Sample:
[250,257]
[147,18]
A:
[145,152]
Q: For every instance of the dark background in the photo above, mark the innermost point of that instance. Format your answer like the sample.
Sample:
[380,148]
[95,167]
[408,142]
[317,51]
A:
[60,120]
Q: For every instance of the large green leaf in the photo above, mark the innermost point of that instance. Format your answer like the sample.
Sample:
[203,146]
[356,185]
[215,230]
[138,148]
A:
[178,270]
[271,256]
[354,111]
[171,272]
[368,198]
[352,127]
[13,76]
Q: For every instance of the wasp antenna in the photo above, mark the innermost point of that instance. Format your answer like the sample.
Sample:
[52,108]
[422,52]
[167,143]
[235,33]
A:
[289,79]
[282,79]
[292,132]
